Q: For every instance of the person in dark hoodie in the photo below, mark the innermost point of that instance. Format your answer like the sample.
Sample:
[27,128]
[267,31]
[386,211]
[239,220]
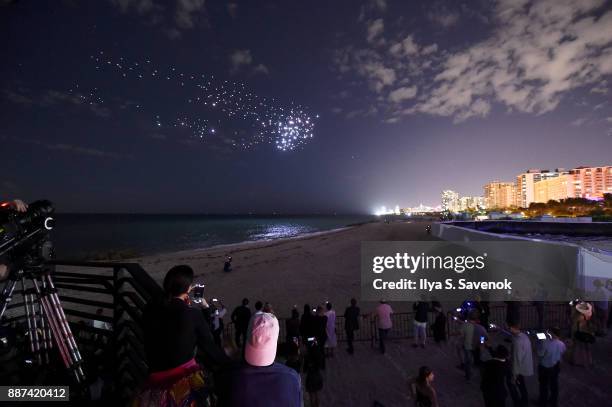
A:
[173,327]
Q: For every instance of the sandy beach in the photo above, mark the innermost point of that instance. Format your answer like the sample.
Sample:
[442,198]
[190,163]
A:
[287,272]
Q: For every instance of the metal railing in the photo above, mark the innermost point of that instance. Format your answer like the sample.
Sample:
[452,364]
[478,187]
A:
[553,314]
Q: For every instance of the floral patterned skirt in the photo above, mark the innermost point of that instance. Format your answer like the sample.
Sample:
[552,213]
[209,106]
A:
[182,386]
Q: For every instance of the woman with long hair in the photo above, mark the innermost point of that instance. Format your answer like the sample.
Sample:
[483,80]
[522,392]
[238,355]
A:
[173,327]
[422,390]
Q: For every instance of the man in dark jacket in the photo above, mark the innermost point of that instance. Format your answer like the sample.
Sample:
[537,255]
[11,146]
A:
[260,381]
[241,317]
[495,373]
[351,324]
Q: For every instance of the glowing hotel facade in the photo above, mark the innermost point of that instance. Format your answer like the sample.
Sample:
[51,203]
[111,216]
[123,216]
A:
[580,182]
[590,182]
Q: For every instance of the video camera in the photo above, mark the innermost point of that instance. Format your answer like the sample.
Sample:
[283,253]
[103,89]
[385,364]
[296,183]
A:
[24,236]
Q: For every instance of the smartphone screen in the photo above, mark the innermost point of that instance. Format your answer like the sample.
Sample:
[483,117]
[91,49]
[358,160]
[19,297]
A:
[541,335]
[198,292]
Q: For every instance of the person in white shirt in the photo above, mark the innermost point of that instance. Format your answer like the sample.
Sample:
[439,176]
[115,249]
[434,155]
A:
[331,342]
[550,352]
[383,321]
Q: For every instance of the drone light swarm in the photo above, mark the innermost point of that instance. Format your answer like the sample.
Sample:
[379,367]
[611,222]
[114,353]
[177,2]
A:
[210,109]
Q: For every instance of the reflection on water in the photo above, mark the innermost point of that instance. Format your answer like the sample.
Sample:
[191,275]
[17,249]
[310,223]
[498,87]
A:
[280,231]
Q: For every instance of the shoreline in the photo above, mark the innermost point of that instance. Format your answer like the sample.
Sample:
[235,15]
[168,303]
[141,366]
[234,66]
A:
[257,242]
[305,269]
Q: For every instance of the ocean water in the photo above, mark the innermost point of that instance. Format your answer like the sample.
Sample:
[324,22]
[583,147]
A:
[81,236]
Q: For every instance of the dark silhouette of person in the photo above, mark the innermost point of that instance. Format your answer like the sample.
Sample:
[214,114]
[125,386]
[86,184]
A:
[351,324]
[241,317]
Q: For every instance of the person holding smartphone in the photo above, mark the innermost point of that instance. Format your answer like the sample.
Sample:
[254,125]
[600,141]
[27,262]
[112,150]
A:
[173,326]
[480,337]
[550,350]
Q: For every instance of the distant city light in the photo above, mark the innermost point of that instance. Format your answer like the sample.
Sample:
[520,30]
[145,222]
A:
[397,210]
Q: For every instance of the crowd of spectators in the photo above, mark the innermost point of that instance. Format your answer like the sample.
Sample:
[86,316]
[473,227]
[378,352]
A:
[253,368]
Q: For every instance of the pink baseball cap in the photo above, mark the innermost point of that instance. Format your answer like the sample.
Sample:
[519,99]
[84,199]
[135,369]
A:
[260,348]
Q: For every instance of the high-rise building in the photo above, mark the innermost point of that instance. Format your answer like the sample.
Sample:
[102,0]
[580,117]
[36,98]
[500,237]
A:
[471,203]
[590,182]
[450,201]
[555,188]
[499,195]
[525,184]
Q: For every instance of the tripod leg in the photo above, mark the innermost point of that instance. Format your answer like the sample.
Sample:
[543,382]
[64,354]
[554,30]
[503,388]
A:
[46,328]
[55,329]
[68,336]
[46,344]
[37,337]
[61,330]
[6,296]
[32,332]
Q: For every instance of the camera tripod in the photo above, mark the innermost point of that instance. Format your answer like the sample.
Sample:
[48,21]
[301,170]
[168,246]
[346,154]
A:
[46,320]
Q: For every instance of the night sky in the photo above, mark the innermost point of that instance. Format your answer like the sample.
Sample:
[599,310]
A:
[378,103]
